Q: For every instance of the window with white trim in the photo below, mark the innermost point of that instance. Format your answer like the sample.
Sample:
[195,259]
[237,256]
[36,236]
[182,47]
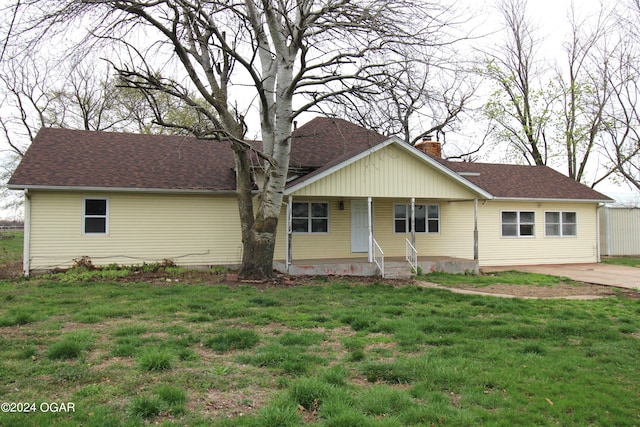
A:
[95,216]
[518,223]
[310,217]
[560,224]
[427,218]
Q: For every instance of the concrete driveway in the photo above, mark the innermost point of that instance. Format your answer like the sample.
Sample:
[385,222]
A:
[599,274]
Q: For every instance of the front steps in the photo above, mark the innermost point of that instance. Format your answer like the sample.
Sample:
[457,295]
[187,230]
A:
[397,270]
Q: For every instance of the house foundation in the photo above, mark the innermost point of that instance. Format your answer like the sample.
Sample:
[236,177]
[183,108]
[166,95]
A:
[395,267]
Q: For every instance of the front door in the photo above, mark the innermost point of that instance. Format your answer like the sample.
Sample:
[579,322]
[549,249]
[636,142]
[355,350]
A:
[359,226]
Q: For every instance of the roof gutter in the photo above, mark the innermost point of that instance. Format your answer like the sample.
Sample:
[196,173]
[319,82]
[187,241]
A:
[547,200]
[120,189]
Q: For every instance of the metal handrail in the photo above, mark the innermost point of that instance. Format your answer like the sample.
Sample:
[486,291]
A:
[411,255]
[380,264]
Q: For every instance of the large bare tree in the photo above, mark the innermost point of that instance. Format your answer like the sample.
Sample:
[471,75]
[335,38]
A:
[584,91]
[428,93]
[621,141]
[226,52]
[520,105]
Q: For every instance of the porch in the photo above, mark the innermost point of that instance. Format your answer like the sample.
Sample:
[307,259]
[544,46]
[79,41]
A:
[394,267]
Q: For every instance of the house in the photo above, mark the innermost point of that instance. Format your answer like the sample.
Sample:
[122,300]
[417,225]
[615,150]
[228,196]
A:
[354,200]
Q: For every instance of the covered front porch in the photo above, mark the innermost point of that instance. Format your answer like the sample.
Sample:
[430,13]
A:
[387,237]
[389,211]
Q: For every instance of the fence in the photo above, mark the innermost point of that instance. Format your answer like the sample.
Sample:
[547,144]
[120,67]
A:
[619,231]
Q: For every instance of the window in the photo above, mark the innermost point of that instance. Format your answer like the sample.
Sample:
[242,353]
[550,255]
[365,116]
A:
[94,216]
[560,224]
[427,218]
[310,218]
[518,224]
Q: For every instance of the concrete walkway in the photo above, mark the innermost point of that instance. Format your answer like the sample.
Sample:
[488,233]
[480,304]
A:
[599,274]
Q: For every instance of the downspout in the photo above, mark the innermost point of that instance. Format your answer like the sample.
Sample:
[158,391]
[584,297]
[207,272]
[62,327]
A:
[26,255]
[370,225]
[288,249]
[598,232]
[607,230]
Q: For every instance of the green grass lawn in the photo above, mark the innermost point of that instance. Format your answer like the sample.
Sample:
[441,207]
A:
[510,277]
[622,260]
[334,353]
[11,243]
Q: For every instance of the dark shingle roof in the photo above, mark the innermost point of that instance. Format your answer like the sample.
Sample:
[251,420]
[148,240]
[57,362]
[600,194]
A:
[324,139]
[523,182]
[63,158]
[73,158]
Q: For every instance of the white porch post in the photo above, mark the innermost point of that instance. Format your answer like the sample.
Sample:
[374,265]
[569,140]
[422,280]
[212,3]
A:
[26,253]
[475,230]
[370,226]
[288,250]
[413,221]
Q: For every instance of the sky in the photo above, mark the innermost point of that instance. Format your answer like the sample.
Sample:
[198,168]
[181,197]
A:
[550,16]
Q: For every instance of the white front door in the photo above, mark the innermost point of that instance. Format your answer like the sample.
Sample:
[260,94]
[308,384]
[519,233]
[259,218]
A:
[359,226]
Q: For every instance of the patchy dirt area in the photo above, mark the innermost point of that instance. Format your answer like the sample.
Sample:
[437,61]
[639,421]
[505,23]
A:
[160,278]
[11,270]
[583,291]
[560,290]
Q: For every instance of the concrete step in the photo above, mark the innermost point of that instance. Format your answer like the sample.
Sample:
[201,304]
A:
[397,270]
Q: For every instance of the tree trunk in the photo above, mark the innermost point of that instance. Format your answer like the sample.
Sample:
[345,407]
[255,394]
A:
[259,245]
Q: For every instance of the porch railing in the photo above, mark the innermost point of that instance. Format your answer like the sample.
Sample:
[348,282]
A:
[378,257]
[411,255]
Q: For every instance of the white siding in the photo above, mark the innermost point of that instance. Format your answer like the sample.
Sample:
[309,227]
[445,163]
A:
[497,250]
[455,238]
[389,172]
[188,229]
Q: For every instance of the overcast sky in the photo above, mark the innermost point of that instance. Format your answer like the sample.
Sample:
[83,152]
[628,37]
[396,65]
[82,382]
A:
[551,18]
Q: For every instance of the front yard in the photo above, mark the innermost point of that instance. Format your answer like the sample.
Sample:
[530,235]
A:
[193,349]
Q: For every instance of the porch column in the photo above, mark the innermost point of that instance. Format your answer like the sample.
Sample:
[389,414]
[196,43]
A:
[288,241]
[413,221]
[26,250]
[370,226]
[475,230]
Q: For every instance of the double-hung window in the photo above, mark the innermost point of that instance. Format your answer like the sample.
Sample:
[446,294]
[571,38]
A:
[95,215]
[427,218]
[310,218]
[560,224]
[518,224]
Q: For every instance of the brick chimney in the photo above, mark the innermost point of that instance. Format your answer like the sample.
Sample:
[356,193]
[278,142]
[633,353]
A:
[429,146]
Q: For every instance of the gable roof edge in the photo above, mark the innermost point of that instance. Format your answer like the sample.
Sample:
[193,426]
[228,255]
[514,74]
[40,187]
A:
[337,167]
[449,172]
[398,142]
